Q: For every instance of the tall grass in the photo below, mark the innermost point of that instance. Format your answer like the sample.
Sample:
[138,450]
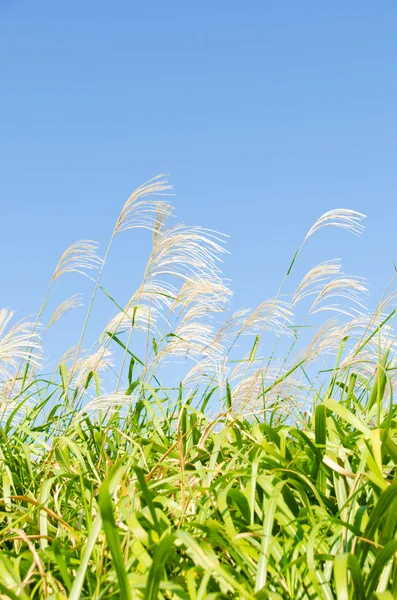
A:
[192,453]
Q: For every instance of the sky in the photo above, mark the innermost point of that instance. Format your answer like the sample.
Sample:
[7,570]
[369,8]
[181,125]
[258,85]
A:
[264,114]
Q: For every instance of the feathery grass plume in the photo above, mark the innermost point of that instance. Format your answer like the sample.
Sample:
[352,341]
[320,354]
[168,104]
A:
[68,355]
[274,314]
[348,288]
[98,361]
[214,363]
[145,307]
[230,329]
[347,219]
[314,280]
[262,387]
[163,211]
[194,336]
[339,217]
[208,370]
[138,212]
[108,403]
[14,405]
[364,363]
[190,340]
[366,346]
[145,311]
[186,252]
[195,312]
[142,316]
[144,212]
[19,344]
[67,305]
[214,294]
[386,305]
[78,258]
[160,294]
[326,339]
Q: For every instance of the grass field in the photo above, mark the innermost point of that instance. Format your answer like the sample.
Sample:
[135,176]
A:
[268,469]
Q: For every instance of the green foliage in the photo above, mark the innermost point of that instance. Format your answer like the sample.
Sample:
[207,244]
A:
[229,508]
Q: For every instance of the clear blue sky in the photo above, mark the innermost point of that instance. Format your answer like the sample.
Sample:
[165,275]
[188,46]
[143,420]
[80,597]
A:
[265,115]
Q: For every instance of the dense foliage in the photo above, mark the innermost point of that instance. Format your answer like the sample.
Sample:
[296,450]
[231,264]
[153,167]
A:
[255,477]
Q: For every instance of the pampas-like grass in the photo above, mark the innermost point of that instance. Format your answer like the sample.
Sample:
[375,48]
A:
[250,454]
[180,304]
[65,306]
[19,343]
[347,219]
[78,258]
[142,211]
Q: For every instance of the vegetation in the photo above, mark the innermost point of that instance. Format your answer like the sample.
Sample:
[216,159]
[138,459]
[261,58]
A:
[253,476]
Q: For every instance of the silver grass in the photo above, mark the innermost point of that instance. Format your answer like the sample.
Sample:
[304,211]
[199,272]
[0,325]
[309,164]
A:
[385,306]
[249,392]
[195,312]
[19,343]
[144,212]
[274,314]
[78,258]
[98,361]
[210,293]
[208,370]
[315,279]
[156,292]
[144,309]
[186,252]
[326,340]
[329,336]
[367,356]
[9,405]
[161,217]
[366,362]
[68,355]
[107,403]
[348,288]
[230,329]
[64,307]
[190,340]
[245,368]
[138,211]
[213,364]
[194,336]
[10,387]
[142,316]
[344,218]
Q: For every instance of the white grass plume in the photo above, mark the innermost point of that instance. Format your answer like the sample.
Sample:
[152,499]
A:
[274,314]
[190,340]
[107,403]
[213,294]
[351,289]
[98,361]
[314,281]
[160,294]
[347,219]
[144,212]
[142,316]
[186,252]
[208,370]
[263,387]
[78,258]
[64,307]
[19,343]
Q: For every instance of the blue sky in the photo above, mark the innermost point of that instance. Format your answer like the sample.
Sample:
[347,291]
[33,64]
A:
[265,115]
